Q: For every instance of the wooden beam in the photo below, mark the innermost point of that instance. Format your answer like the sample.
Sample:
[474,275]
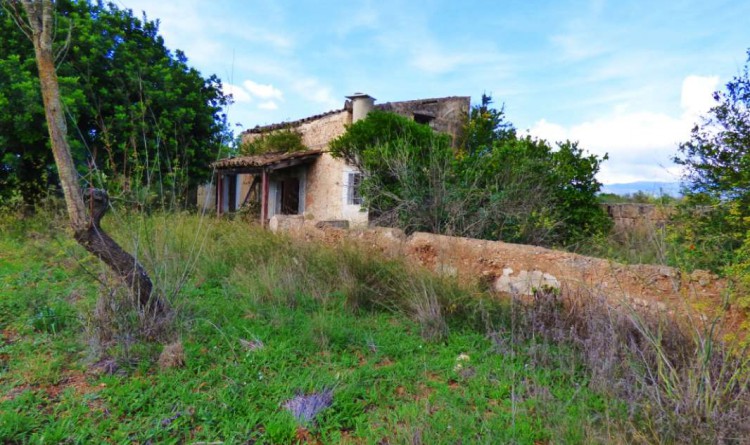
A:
[292,162]
[250,190]
[264,198]
[241,170]
[285,163]
[218,194]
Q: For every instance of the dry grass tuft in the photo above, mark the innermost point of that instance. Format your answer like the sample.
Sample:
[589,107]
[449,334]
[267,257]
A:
[172,356]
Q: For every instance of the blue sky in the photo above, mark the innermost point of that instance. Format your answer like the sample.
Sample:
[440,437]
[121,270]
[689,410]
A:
[628,78]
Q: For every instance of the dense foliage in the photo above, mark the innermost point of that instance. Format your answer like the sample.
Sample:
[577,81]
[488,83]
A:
[137,113]
[716,212]
[717,156]
[494,185]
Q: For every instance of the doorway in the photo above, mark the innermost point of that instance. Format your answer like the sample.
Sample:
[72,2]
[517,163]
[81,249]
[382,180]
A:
[289,196]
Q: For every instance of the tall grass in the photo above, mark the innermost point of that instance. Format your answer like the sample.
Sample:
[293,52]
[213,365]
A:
[681,385]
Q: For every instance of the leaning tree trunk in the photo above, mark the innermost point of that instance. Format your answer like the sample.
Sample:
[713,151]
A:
[86,228]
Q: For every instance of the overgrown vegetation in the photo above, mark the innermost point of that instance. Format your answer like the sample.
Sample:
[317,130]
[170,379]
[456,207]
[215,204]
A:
[495,185]
[716,211]
[284,140]
[143,124]
[382,351]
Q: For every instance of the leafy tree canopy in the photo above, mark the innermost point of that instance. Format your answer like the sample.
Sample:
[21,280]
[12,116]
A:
[717,156]
[715,214]
[137,113]
[485,126]
[496,185]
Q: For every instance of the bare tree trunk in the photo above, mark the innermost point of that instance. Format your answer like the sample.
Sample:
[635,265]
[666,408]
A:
[86,228]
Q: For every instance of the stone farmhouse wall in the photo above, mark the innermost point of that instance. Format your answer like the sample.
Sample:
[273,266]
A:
[634,216]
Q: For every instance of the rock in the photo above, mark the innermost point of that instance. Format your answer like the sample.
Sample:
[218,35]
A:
[525,282]
[286,223]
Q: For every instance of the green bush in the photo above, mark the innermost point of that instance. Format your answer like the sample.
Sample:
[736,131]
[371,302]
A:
[496,185]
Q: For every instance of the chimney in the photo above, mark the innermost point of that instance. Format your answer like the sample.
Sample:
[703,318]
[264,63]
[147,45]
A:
[361,105]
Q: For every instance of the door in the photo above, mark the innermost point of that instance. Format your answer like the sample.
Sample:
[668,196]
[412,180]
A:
[232,192]
[290,196]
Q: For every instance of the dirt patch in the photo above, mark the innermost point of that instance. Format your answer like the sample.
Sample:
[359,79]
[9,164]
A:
[74,380]
[15,392]
[9,336]
[384,363]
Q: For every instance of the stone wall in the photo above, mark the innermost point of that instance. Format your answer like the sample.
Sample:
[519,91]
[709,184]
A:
[206,198]
[634,216]
[519,269]
[318,133]
[325,191]
[446,113]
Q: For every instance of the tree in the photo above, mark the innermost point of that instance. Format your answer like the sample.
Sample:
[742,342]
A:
[141,117]
[38,26]
[715,214]
[485,126]
[716,159]
[495,186]
[402,162]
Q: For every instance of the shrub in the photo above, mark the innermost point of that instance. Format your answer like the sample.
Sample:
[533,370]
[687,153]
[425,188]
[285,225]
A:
[495,186]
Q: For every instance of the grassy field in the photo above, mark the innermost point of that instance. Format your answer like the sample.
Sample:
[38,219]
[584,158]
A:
[287,342]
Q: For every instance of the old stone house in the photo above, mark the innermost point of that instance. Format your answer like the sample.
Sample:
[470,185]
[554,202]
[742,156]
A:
[311,182]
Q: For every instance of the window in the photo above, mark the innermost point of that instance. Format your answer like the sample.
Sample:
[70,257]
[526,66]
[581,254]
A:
[354,180]
[423,118]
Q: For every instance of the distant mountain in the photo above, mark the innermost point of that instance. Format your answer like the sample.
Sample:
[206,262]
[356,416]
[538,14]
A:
[654,188]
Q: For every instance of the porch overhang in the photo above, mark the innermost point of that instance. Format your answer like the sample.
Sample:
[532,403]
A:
[262,166]
[266,162]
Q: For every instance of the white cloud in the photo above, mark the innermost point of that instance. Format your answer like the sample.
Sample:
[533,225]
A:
[238,93]
[575,47]
[269,105]
[313,90]
[640,144]
[437,63]
[697,94]
[262,91]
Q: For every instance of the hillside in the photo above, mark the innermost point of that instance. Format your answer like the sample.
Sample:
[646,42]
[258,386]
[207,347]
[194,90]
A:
[654,188]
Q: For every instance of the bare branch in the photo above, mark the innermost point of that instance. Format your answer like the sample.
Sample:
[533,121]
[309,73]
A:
[17,15]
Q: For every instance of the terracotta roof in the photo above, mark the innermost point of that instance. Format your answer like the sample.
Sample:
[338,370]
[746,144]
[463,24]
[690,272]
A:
[292,124]
[264,160]
[387,106]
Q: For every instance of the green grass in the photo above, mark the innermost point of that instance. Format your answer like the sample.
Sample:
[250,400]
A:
[342,320]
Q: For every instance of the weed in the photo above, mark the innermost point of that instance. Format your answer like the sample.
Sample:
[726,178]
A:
[426,309]
[304,408]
